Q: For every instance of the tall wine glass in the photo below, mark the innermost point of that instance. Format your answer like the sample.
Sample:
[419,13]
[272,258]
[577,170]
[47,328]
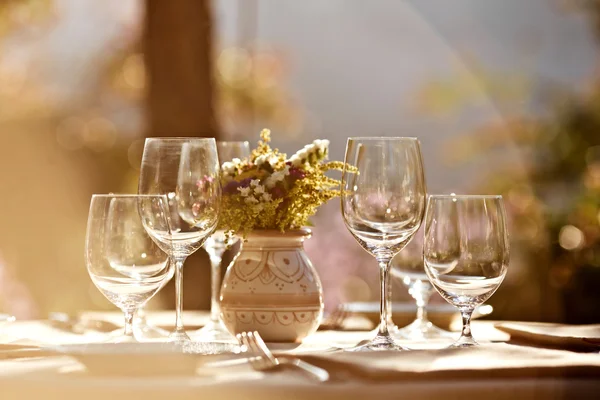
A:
[383,201]
[466,251]
[186,170]
[124,262]
[408,267]
[215,246]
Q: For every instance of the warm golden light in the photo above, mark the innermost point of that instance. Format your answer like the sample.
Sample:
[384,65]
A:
[571,238]
[69,133]
[134,71]
[99,134]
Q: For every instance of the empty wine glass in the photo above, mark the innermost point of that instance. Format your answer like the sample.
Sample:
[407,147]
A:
[144,330]
[466,251]
[186,170]
[124,262]
[215,246]
[383,201]
[408,267]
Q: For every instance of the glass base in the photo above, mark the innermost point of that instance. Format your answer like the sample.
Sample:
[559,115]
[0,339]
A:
[379,343]
[179,336]
[421,330]
[143,331]
[464,341]
[214,331]
[118,336]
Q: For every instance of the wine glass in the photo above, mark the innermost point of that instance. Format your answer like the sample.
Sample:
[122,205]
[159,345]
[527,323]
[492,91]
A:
[466,251]
[123,261]
[215,246]
[186,170]
[383,201]
[408,267]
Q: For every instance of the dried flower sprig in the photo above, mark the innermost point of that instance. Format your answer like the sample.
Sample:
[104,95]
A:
[269,191]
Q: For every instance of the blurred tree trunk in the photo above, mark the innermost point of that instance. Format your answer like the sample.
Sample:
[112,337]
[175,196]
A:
[178,53]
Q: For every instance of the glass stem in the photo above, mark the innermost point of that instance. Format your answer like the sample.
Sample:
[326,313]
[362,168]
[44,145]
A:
[422,298]
[129,322]
[215,249]
[390,322]
[384,304]
[179,294]
[465,335]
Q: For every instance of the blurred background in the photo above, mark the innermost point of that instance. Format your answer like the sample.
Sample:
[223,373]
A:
[504,96]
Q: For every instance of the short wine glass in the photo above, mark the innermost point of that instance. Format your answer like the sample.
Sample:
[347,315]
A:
[123,261]
[383,201]
[215,246]
[186,170]
[408,267]
[466,251]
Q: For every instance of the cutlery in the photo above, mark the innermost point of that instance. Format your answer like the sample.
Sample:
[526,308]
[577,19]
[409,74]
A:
[265,360]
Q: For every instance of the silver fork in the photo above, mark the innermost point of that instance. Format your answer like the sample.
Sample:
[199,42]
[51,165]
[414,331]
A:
[265,360]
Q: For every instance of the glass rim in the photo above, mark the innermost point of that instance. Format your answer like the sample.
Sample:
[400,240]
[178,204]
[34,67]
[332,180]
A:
[180,139]
[408,138]
[465,196]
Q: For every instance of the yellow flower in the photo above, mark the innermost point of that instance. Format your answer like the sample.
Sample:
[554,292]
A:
[276,193]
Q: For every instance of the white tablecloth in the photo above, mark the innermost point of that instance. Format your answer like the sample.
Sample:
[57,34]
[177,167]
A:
[63,377]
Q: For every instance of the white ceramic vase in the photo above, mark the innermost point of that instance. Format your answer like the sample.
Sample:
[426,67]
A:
[272,287]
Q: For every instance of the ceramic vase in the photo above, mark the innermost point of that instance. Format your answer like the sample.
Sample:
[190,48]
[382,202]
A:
[272,287]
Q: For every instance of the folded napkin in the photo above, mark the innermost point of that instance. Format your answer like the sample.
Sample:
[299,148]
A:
[572,337]
[497,360]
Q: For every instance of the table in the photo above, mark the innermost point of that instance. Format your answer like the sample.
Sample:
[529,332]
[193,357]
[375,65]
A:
[63,377]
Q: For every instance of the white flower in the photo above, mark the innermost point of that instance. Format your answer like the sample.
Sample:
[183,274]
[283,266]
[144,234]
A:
[259,207]
[260,160]
[255,182]
[236,161]
[277,176]
[321,144]
[296,160]
[259,189]
[244,191]
[266,197]
[250,200]
[228,168]
[303,153]
[266,159]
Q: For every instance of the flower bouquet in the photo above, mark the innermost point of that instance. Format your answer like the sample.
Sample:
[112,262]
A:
[271,286]
[270,191]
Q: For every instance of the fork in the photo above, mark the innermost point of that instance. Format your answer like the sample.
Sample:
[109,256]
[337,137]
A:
[265,360]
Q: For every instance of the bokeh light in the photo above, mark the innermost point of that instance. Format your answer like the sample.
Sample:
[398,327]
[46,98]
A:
[571,238]
[134,71]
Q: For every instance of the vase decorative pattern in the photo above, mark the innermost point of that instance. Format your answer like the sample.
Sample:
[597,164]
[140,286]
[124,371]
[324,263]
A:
[272,287]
